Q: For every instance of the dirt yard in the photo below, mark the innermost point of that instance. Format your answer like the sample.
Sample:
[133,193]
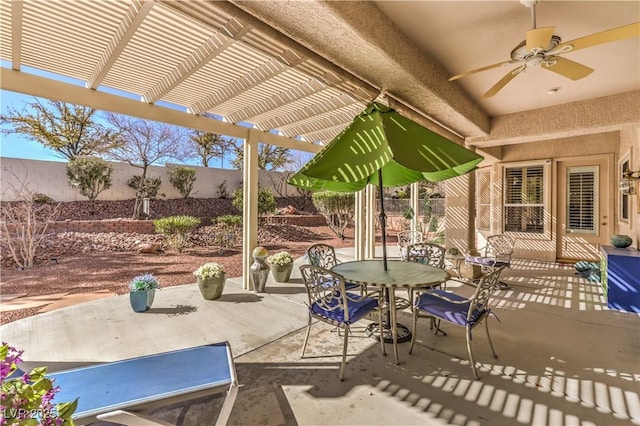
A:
[112,270]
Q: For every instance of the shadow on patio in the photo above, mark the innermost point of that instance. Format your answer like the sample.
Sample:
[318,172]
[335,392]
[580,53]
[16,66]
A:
[564,357]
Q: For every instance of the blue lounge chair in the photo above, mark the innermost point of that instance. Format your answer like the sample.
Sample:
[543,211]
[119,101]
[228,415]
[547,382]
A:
[117,391]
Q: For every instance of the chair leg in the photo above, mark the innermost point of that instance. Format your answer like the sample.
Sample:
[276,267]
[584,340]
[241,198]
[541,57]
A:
[344,353]
[470,351]
[304,345]
[414,315]
[486,324]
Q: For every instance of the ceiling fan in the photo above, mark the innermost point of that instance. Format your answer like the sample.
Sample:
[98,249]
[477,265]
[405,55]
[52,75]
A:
[542,47]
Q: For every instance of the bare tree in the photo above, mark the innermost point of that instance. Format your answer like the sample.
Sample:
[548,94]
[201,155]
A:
[206,146]
[24,222]
[270,157]
[70,130]
[146,142]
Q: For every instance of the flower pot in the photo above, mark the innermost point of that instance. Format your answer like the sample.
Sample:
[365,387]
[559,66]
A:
[211,288]
[281,273]
[621,241]
[141,300]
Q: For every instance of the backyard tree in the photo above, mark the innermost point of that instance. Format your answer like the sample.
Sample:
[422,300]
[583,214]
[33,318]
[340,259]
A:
[182,179]
[206,146]
[145,142]
[69,130]
[270,157]
[337,207]
[90,175]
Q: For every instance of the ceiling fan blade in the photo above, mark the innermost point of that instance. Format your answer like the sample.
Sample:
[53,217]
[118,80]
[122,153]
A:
[614,34]
[539,38]
[503,81]
[488,67]
[567,68]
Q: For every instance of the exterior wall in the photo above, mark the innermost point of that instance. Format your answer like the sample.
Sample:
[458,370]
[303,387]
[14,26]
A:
[610,144]
[630,147]
[50,178]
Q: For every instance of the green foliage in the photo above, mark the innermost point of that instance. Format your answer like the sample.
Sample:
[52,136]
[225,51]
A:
[270,157]
[145,188]
[206,146]
[222,192]
[182,179]
[266,201]
[177,229]
[41,198]
[338,208]
[228,230]
[26,400]
[408,213]
[90,175]
[70,130]
[229,220]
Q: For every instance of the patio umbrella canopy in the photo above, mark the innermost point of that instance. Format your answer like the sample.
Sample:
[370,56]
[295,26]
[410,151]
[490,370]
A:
[383,148]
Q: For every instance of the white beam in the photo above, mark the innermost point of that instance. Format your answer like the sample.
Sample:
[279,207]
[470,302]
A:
[370,234]
[306,112]
[414,200]
[33,85]
[250,206]
[129,24]
[359,231]
[16,34]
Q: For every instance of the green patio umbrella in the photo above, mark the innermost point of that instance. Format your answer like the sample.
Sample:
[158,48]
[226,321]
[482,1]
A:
[383,148]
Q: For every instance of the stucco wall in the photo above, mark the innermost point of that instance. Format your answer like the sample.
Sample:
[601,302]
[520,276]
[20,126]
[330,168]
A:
[50,178]
[630,146]
[617,144]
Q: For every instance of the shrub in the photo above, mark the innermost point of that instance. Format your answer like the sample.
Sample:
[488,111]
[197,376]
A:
[266,201]
[177,229]
[89,175]
[42,198]
[182,179]
[223,192]
[23,225]
[338,209]
[144,188]
[229,230]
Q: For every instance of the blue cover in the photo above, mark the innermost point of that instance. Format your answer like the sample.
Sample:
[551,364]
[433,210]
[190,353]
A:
[119,385]
[442,308]
[357,310]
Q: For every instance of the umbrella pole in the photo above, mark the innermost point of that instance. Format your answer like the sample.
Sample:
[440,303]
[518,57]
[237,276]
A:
[383,221]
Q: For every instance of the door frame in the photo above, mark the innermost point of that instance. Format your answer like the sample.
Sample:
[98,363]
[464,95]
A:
[606,200]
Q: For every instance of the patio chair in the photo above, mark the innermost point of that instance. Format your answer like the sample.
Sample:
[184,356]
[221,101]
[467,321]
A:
[324,256]
[459,310]
[405,239]
[331,303]
[427,253]
[118,391]
[495,254]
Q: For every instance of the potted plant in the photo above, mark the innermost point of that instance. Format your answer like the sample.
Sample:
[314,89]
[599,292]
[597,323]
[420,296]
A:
[142,290]
[281,265]
[211,278]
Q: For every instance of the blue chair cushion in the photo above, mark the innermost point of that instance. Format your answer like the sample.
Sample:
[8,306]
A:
[442,308]
[486,261]
[357,310]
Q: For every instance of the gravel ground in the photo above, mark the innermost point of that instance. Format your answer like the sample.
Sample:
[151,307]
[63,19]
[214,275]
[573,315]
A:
[90,262]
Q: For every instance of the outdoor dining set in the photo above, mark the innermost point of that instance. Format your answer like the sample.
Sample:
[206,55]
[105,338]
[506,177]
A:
[341,294]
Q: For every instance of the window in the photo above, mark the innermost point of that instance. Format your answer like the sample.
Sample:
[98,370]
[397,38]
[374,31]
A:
[483,191]
[524,199]
[581,200]
[624,195]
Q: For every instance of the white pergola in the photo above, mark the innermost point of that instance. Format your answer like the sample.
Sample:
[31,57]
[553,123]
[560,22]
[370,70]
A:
[174,61]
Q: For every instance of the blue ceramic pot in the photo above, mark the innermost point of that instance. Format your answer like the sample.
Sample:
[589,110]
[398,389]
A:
[139,301]
[621,241]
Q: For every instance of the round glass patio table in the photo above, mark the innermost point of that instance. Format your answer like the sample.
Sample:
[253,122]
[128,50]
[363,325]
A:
[399,274]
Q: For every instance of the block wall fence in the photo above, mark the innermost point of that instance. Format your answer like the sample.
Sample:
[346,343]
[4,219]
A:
[50,178]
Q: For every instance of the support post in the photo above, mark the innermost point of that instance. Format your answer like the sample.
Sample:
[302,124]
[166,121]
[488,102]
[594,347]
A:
[249,206]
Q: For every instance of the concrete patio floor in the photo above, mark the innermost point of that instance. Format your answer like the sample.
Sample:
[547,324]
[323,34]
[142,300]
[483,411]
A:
[564,357]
